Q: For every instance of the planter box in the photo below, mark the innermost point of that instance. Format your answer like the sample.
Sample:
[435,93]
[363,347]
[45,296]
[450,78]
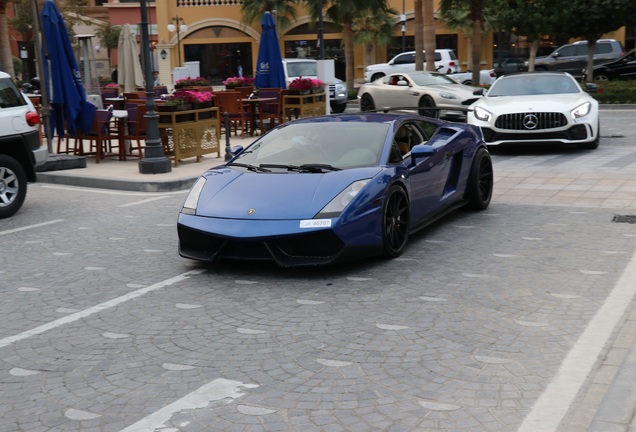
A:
[186,139]
[298,106]
[182,113]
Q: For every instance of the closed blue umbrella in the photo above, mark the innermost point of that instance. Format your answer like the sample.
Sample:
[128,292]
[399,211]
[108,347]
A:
[62,76]
[269,67]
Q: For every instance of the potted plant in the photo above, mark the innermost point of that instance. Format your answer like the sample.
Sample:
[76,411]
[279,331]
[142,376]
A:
[191,82]
[301,85]
[202,100]
[317,86]
[238,81]
[180,100]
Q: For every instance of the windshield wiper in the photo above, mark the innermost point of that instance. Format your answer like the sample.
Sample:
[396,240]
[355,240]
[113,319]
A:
[318,167]
[312,168]
[249,167]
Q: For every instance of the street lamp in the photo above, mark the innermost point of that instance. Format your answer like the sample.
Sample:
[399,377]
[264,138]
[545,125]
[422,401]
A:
[154,160]
[403,19]
[179,28]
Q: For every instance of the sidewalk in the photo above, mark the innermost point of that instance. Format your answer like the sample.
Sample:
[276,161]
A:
[112,173]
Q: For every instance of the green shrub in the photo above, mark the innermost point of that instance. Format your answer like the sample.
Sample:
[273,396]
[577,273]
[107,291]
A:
[615,92]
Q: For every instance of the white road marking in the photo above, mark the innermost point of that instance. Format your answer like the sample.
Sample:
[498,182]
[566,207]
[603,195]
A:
[553,404]
[216,390]
[94,190]
[144,201]
[14,230]
[97,308]
[108,191]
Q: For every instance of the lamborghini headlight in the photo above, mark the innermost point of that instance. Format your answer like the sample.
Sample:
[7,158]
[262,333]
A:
[342,200]
[581,110]
[190,204]
[482,114]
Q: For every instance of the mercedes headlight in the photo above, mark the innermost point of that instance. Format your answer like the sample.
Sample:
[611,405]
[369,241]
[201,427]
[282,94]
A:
[190,204]
[342,200]
[581,110]
[482,114]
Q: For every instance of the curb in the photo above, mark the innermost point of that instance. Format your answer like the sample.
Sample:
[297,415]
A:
[116,184]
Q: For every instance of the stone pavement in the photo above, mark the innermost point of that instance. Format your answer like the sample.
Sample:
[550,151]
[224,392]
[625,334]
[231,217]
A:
[112,173]
[607,401]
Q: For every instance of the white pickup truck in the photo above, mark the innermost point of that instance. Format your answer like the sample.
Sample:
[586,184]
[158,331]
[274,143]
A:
[445,62]
[308,68]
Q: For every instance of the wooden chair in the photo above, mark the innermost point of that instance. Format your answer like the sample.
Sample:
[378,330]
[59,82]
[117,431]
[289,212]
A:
[245,91]
[134,96]
[271,111]
[160,90]
[99,137]
[108,94]
[239,114]
[136,127]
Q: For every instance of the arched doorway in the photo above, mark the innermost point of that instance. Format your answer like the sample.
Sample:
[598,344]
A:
[221,51]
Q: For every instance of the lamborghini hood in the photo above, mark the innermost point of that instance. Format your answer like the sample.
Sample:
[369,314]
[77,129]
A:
[231,194]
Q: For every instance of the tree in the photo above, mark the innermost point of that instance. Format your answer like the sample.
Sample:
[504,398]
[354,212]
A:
[418,22]
[531,19]
[591,19]
[345,12]
[474,10]
[6,62]
[372,28]
[253,11]
[429,34]
[108,36]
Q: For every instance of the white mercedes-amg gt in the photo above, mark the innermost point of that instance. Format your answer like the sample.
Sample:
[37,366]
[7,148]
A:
[537,107]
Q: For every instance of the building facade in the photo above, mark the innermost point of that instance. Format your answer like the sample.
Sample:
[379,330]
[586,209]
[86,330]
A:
[210,33]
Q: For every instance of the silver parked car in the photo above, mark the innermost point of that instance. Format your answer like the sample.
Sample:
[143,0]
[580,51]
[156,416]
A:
[432,94]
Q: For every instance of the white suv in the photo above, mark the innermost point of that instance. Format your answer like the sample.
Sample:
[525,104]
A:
[21,147]
[308,68]
[445,62]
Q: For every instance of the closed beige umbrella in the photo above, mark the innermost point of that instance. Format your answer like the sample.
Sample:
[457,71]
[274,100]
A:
[129,73]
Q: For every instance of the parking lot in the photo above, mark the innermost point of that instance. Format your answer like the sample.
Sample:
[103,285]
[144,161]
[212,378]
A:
[482,325]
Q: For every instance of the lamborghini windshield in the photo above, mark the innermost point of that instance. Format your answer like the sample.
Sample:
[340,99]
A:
[332,145]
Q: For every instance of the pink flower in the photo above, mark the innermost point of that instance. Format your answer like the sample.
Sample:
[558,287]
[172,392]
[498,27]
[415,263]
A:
[301,84]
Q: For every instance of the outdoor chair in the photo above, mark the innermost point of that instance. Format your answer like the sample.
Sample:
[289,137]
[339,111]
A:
[245,91]
[160,90]
[270,111]
[99,137]
[239,114]
[136,127]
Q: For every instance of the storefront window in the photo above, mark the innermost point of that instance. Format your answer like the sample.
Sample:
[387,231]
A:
[220,61]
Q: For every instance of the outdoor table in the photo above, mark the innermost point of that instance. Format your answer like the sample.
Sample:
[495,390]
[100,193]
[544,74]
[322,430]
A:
[253,103]
[116,102]
[120,117]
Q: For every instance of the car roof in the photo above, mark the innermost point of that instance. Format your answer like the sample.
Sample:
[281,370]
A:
[365,117]
[536,73]
[4,75]
[298,60]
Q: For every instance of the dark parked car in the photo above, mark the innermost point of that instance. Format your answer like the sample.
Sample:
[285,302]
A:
[510,65]
[572,58]
[623,68]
